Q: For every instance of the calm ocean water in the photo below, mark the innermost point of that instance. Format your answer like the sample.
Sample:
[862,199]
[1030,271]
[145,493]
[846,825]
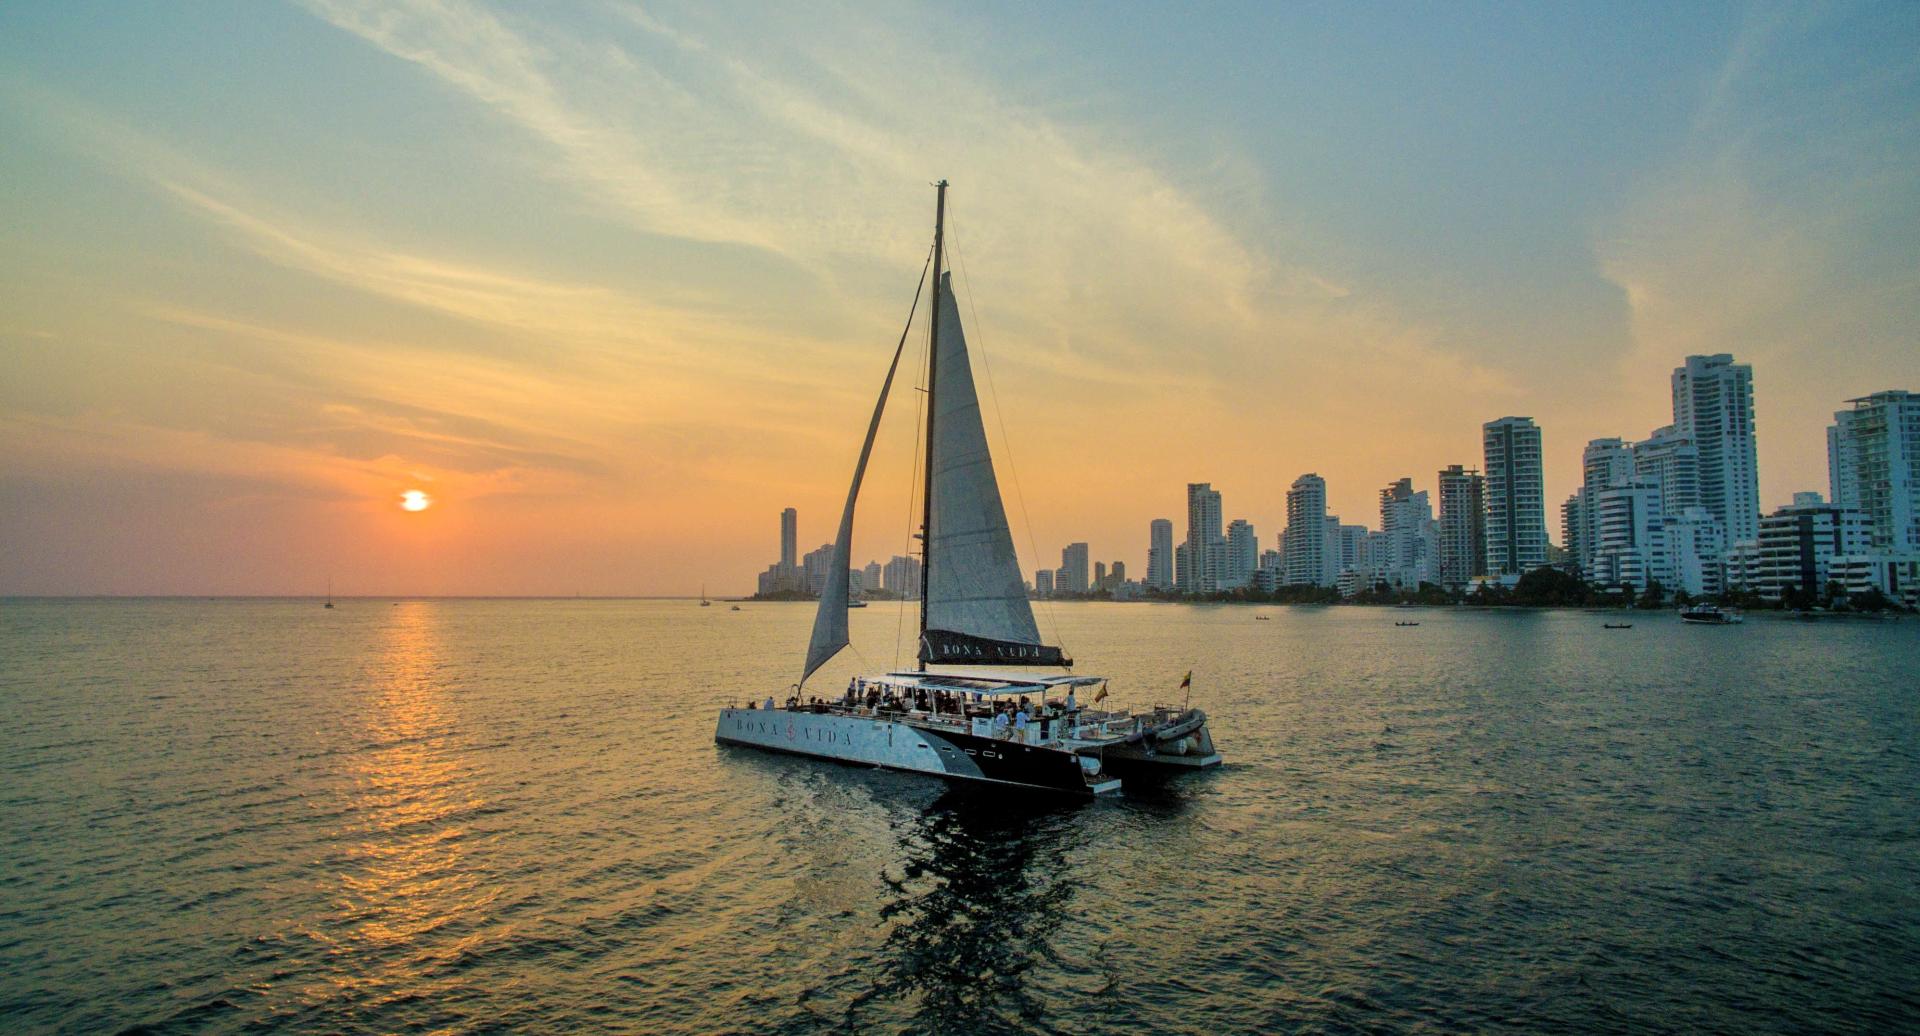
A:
[510,816]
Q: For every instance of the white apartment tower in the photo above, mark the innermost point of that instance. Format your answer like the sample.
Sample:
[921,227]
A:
[1630,549]
[1411,538]
[1603,464]
[1243,555]
[1306,546]
[1205,541]
[1713,407]
[1873,465]
[1516,496]
[1160,554]
[1672,461]
[1073,562]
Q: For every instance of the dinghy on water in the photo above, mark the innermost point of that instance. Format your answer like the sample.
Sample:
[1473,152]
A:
[1007,729]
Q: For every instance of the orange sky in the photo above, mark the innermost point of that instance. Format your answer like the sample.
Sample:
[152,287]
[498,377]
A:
[614,287]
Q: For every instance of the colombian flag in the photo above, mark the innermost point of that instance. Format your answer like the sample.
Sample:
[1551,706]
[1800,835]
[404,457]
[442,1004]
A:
[1188,682]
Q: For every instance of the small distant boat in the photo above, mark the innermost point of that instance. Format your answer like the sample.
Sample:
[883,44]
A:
[856,604]
[329,592]
[736,607]
[704,603]
[1262,618]
[1406,624]
[1616,625]
[1710,615]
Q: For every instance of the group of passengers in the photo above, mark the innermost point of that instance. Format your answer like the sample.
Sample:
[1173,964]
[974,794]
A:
[1005,716]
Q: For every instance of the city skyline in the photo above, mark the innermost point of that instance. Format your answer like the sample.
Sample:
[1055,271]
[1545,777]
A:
[463,298]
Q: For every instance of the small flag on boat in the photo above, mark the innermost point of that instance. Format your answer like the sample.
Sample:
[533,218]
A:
[1102,694]
[1188,682]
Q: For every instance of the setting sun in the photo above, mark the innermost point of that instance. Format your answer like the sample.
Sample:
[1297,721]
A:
[415,500]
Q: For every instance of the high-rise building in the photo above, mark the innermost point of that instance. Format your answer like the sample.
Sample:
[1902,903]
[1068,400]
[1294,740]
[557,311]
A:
[1160,554]
[1099,575]
[1306,542]
[1695,548]
[902,576]
[1073,562]
[1630,550]
[1604,463]
[872,576]
[1206,543]
[1463,525]
[1243,555]
[1672,461]
[1412,537]
[789,538]
[1516,497]
[1182,569]
[1713,408]
[1873,464]
[1798,543]
[1118,573]
[815,566]
[1573,529]
[1043,581]
[1348,549]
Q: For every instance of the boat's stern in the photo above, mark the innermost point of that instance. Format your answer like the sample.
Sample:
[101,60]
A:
[1172,741]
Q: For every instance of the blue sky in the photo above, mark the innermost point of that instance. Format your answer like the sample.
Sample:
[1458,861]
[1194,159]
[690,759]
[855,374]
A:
[617,280]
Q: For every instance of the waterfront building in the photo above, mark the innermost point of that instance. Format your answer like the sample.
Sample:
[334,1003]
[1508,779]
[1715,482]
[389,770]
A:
[1160,554]
[1873,464]
[1672,461]
[1306,536]
[1896,576]
[1798,542]
[1348,547]
[1117,574]
[1073,578]
[1411,537]
[902,576]
[1695,548]
[1603,464]
[1515,495]
[1713,408]
[1573,529]
[1741,566]
[1206,542]
[1463,525]
[1043,581]
[1183,569]
[1099,576]
[789,538]
[1242,557]
[873,572]
[814,568]
[1629,550]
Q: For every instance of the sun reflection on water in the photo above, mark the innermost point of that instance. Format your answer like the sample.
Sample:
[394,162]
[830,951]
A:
[407,871]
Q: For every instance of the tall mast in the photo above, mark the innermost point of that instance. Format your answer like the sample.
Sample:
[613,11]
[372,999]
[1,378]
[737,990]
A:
[933,367]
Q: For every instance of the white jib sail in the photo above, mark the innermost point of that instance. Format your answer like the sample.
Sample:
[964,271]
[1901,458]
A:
[830,621]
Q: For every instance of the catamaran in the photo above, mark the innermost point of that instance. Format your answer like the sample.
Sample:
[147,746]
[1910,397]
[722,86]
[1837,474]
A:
[983,717]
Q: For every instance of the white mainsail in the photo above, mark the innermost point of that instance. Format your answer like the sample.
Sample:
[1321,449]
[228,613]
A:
[973,576]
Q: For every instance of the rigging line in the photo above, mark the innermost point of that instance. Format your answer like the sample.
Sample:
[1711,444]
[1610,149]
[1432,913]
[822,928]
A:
[1000,418]
[913,479]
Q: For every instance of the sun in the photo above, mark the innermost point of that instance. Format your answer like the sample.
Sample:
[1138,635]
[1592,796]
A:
[415,500]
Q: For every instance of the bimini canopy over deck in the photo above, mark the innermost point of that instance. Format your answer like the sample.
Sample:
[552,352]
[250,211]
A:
[987,684]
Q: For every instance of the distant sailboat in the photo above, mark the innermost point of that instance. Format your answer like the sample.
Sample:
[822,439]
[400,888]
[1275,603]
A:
[329,591]
[704,603]
[1004,729]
